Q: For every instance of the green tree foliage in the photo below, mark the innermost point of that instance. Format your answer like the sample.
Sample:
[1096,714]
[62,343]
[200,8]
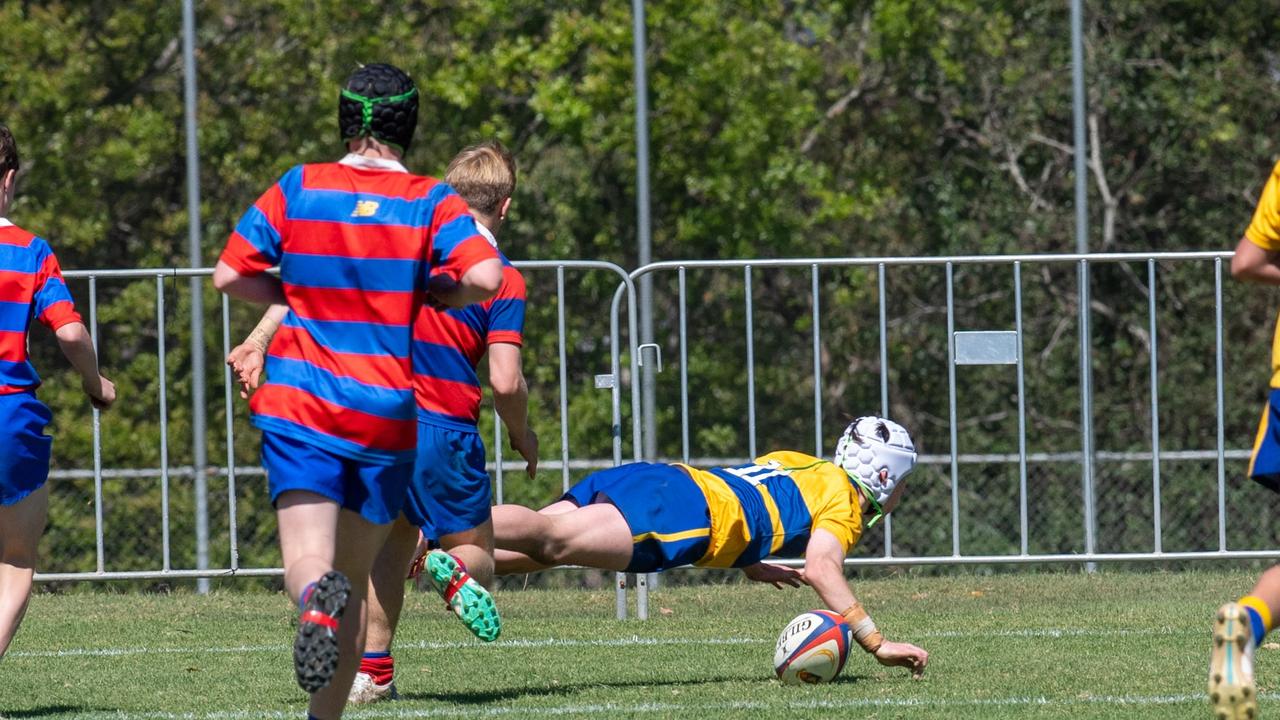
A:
[779,129]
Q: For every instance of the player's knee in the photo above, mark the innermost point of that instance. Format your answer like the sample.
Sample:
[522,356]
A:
[559,546]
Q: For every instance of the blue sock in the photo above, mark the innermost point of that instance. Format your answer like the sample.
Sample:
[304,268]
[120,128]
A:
[302,601]
[377,655]
[1256,624]
[1259,617]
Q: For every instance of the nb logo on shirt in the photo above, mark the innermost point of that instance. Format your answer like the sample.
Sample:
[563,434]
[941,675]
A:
[365,208]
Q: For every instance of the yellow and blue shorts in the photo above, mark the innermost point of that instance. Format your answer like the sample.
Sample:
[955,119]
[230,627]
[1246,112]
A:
[667,513]
[1264,465]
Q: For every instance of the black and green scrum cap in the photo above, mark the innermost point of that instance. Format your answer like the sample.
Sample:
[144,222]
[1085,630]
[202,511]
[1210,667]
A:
[379,101]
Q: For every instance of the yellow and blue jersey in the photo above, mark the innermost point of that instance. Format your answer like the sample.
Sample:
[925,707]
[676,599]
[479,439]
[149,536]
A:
[772,507]
[726,517]
[1264,231]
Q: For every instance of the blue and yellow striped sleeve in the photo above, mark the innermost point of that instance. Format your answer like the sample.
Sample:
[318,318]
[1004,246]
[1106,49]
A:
[830,497]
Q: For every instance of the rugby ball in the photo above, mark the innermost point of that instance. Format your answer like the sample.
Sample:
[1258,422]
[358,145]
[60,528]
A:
[812,648]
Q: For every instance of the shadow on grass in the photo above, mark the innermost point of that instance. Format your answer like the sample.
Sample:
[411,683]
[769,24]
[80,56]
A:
[48,711]
[849,678]
[488,696]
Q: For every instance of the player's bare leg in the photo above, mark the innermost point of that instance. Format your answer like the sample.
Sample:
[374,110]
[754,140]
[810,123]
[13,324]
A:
[510,562]
[593,535]
[474,548]
[1238,629]
[558,507]
[1267,589]
[21,525]
[376,678]
[386,584]
[308,532]
[358,544]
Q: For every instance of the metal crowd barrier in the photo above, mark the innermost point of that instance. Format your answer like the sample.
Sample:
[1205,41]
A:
[1002,346]
[998,346]
[165,473]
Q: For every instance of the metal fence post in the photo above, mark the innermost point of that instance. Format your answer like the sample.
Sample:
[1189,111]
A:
[564,380]
[817,366]
[1157,544]
[1022,412]
[1219,382]
[229,384]
[199,449]
[1086,416]
[884,386]
[951,399]
[684,369]
[97,436]
[751,365]
[164,422]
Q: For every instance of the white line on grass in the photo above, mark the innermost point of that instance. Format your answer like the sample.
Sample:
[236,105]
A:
[1064,632]
[673,708]
[632,641]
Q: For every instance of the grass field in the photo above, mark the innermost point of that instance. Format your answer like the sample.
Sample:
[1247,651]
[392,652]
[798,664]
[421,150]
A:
[1111,645]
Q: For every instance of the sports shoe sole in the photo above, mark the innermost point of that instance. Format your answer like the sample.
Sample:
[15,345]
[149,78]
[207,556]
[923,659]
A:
[366,691]
[472,604]
[315,649]
[1231,686]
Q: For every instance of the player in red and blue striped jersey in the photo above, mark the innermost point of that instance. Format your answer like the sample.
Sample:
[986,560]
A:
[449,497]
[358,243]
[31,287]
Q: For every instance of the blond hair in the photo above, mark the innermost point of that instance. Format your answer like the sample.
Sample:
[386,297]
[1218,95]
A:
[484,175]
[8,151]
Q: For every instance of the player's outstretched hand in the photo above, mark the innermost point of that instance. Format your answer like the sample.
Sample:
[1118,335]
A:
[903,655]
[101,392]
[778,575]
[246,361]
[527,446]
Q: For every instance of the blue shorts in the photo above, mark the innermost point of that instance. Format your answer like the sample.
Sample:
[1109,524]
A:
[1264,465]
[666,511]
[24,448]
[375,491]
[450,490]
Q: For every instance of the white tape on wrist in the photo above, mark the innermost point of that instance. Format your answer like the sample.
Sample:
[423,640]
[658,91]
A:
[263,333]
[867,635]
[863,627]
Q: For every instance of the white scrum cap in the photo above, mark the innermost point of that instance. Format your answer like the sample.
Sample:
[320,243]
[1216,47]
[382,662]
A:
[872,445]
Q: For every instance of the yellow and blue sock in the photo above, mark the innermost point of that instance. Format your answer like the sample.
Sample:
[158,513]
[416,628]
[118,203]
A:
[1259,617]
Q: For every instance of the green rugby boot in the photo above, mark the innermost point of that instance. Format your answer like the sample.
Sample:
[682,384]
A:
[467,598]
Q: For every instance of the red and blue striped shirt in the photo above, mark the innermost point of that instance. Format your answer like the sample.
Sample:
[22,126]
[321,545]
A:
[355,242]
[448,345]
[31,286]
